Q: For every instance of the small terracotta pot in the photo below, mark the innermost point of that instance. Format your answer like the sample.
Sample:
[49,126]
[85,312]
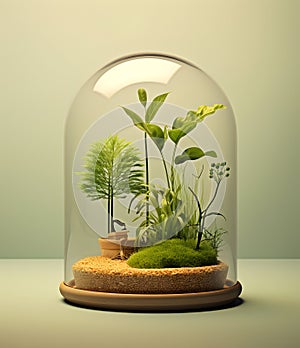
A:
[112,245]
[109,247]
[117,244]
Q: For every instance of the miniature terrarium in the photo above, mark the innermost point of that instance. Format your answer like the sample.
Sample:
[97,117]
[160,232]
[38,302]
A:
[150,189]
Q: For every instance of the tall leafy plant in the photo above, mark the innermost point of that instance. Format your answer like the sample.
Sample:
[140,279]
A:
[113,170]
[180,128]
[168,212]
[154,131]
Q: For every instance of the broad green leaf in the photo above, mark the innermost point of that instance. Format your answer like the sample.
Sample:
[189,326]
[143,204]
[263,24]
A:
[154,107]
[178,122]
[182,126]
[204,110]
[181,121]
[211,154]
[142,96]
[192,153]
[176,134]
[136,119]
[186,128]
[156,134]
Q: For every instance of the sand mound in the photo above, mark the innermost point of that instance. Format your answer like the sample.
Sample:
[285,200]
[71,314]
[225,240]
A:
[99,273]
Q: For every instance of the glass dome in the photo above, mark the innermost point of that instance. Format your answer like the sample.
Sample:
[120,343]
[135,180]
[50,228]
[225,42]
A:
[150,188]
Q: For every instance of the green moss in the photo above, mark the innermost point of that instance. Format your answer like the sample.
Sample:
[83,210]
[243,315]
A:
[174,253]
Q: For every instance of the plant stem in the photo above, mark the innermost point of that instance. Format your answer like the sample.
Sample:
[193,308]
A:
[166,170]
[108,216]
[147,178]
[214,196]
[112,213]
[110,207]
[210,203]
[200,228]
[172,168]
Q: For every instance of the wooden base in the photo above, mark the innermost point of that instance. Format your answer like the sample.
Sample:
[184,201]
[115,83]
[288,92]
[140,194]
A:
[149,302]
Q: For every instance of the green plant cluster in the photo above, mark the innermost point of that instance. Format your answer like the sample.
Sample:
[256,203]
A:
[174,253]
[168,218]
[173,215]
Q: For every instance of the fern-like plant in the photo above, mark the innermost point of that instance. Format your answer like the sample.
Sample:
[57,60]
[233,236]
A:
[113,169]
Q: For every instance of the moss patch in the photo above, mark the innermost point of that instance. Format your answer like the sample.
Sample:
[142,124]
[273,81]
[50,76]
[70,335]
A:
[174,253]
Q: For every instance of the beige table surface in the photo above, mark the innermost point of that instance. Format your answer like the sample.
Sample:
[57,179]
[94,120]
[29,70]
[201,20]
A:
[33,313]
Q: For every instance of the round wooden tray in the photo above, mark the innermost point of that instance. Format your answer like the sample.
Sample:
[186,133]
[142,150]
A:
[149,302]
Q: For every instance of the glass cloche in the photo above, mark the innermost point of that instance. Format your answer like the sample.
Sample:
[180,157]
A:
[150,189]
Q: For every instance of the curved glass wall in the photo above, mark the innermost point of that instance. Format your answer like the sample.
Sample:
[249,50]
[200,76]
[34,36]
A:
[150,156]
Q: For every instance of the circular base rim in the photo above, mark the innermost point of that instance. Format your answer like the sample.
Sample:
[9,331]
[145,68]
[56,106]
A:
[151,302]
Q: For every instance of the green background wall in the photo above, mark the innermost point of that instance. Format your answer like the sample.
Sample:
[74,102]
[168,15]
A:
[49,48]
